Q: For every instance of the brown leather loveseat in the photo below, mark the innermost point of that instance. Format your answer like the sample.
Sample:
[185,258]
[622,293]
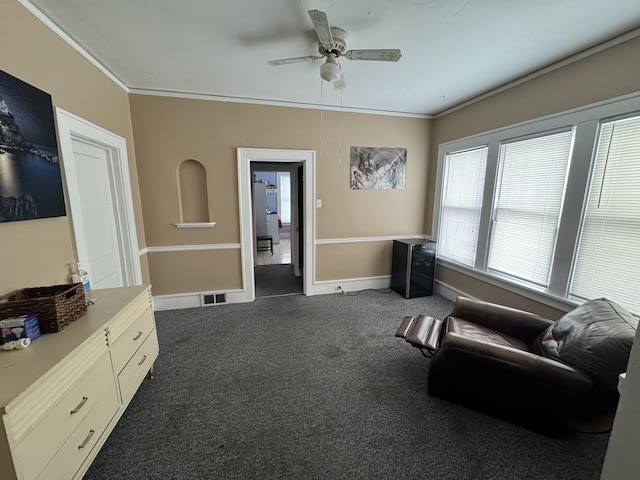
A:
[523,367]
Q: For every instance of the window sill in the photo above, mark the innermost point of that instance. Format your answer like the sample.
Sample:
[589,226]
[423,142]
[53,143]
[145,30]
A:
[524,289]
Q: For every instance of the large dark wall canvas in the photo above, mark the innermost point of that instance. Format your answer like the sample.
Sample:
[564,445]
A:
[30,177]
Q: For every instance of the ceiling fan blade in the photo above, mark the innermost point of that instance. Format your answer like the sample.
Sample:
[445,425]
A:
[287,61]
[321,24]
[340,84]
[383,55]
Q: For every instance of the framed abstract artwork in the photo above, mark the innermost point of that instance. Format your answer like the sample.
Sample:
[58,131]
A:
[377,168]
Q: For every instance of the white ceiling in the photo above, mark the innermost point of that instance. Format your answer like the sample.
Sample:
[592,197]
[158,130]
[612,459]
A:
[452,50]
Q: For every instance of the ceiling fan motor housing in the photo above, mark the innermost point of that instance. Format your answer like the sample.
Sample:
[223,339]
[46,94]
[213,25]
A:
[339,45]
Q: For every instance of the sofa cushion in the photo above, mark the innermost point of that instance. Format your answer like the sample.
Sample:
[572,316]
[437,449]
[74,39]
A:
[595,337]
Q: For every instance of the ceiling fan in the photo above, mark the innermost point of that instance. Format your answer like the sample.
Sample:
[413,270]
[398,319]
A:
[332,44]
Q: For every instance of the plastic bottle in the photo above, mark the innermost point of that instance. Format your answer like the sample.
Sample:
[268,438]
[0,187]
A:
[83,277]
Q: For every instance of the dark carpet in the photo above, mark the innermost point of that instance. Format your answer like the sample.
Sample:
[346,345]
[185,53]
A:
[274,280]
[316,387]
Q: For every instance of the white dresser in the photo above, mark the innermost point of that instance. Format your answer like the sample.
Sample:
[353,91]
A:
[61,397]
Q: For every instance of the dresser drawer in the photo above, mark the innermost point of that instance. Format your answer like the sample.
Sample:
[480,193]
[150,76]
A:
[43,439]
[131,339]
[137,367]
[83,439]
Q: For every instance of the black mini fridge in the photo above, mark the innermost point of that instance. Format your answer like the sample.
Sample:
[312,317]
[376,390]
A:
[413,267]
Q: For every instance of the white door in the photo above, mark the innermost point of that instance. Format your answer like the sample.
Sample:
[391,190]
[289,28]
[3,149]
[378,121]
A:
[98,219]
[96,173]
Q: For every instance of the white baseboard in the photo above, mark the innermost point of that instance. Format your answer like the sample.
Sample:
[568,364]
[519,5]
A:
[194,300]
[448,291]
[351,285]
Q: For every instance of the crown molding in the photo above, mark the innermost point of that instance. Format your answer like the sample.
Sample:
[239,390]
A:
[543,71]
[72,43]
[277,103]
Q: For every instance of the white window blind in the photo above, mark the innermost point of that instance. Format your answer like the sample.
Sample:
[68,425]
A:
[608,259]
[528,201]
[461,203]
[284,190]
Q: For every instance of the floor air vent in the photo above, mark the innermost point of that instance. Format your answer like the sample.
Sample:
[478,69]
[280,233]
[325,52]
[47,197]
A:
[207,299]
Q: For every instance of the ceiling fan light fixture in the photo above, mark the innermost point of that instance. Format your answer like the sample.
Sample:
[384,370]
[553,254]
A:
[330,70]
[332,44]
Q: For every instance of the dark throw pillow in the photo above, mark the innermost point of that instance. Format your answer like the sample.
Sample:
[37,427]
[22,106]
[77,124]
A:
[595,337]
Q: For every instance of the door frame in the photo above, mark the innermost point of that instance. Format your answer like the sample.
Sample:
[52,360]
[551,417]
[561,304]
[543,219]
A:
[70,128]
[245,157]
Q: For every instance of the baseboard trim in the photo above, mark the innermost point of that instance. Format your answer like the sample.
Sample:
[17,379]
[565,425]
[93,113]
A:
[193,299]
[448,292]
[351,285]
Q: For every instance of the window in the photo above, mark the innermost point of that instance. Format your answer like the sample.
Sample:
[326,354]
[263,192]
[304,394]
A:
[461,203]
[284,196]
[531,180]
[608,258]
[548,208]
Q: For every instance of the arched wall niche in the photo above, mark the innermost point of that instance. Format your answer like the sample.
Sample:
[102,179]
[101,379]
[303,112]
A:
[193,194]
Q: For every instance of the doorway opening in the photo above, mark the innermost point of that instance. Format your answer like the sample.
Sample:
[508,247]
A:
[277,220]
[257,236]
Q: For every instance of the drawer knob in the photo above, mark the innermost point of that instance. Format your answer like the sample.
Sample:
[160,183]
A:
[80,405]
[86,440]
[143,360]
[137,336]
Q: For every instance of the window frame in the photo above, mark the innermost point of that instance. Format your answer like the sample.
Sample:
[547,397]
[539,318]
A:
[583,217]
[586,120]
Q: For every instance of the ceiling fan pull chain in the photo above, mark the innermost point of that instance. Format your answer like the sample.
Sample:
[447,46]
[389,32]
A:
[321,123]
[340,134]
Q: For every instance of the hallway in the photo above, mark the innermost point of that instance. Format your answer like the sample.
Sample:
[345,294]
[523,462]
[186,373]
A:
[281,254]
[274,273]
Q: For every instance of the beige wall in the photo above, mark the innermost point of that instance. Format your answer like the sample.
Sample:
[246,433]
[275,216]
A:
[491,293]
[170,130]
[217,269]
[364,260]
[38,252]
[607,74]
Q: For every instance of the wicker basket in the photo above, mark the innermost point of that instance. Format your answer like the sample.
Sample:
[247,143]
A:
[56,306]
